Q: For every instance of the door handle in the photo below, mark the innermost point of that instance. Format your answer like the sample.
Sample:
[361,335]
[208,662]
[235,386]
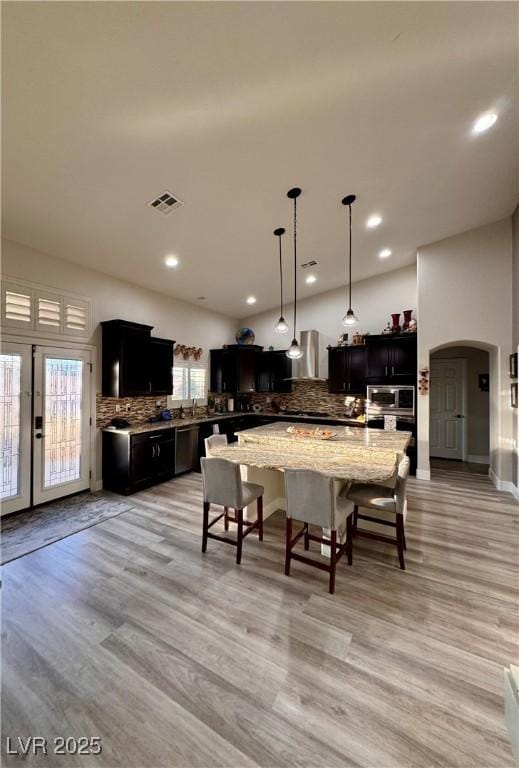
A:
[460,415]
[386,371]
[392,370]
[39,435]
[158,449]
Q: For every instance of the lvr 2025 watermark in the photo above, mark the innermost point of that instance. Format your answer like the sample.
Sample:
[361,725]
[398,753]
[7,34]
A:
[59,745]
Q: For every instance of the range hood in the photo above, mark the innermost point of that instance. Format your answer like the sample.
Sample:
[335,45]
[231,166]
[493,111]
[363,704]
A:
[307,368]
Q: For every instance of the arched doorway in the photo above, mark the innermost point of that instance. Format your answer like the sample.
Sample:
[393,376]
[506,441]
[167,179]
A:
[459,409]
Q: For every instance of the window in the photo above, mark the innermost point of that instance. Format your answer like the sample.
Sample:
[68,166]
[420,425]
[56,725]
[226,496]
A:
[31,307]
[189,382]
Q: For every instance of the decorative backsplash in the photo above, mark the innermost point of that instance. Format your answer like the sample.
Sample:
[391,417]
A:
[140,409]
[308,396]
[305,396]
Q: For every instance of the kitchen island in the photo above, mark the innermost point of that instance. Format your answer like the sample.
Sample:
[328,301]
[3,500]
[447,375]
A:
[349,455]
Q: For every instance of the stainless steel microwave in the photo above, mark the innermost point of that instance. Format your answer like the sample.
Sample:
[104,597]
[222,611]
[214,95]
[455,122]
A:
[387,399]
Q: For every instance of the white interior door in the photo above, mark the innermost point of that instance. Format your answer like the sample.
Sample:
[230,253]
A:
[15,426]
[447,409]
[61,427]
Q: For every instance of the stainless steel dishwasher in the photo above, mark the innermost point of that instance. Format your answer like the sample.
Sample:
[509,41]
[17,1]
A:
[186,449]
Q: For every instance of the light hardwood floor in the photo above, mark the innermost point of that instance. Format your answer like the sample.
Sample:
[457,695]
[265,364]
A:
[127,632]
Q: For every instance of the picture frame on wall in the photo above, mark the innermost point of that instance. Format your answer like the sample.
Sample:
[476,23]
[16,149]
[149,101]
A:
[514,395]
[513,366]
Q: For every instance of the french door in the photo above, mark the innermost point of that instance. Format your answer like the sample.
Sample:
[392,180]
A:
[45,435]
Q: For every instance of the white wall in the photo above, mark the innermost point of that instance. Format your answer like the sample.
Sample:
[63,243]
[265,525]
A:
[515,332]
[373,300]
[465,298]
[112,298]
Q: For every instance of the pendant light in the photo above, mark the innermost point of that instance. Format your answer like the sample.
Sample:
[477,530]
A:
[350,318]
[295,352]
[281,325]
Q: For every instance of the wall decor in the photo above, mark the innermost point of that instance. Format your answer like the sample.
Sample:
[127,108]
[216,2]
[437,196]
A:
[188,352]
[514,396]
[423,383]
[245,336]
[483,382]
[395,328]
[513,365]
[407,318]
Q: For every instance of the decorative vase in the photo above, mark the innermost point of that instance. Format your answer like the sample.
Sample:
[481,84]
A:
[407,318]
[395,328]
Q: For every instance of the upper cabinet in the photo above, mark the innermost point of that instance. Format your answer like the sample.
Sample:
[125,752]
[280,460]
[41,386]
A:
[133,362]
[233,369]
[391,359]
[347,370]
[273,371]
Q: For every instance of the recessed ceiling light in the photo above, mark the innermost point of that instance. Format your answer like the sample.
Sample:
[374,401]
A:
[310,279]
[484,122]
[171,261]
[251,299]
[373,221]
[384,253]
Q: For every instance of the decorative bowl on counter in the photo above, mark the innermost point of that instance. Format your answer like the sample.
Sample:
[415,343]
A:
[316,433]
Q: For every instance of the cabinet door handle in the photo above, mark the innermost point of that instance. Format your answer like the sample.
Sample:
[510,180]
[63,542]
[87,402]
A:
[386,370]
[149,386]
[392,370]
[158,449]
[154,446]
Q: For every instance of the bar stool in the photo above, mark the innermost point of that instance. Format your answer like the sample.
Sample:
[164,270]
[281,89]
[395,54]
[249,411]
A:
[312,500]
[383,499]
[213,441]
[223,486]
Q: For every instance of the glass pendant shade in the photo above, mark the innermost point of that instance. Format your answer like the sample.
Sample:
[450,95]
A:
[350,318]
[295,352]
[281,325]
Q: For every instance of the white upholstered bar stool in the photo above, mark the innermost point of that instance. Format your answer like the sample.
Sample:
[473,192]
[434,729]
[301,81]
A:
[223,486]
[214,441]
[384,499]
[312,500]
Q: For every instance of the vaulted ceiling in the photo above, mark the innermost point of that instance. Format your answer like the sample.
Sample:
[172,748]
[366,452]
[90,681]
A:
[227,106]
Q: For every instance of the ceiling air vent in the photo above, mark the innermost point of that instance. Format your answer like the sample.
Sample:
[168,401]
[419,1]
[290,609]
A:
[308,264]
[165,203]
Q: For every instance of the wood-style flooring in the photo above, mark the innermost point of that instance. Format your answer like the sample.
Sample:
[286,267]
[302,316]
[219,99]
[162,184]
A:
[127,632]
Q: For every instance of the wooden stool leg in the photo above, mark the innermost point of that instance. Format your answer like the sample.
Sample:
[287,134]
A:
[333,560]
[239,514]
[307,540]
[400,540]
[349,538]
[355,518]
[288,546]
[405,542]
[205,525]
[260,517]
[226,518]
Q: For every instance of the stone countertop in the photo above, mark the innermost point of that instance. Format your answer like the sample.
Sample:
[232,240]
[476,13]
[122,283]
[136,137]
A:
[338,460]
[135,429]
[277,435]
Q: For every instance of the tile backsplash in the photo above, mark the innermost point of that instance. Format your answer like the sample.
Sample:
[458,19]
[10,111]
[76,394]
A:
[305,396]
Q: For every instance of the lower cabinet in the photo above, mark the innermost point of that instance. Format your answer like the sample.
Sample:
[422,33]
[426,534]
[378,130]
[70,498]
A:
[133,462]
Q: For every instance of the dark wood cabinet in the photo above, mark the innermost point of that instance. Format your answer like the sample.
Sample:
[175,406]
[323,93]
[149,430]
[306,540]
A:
[134,462]
[161,366]
[135,363]
[391,359]
[273,371]
[233,370]
[347,370]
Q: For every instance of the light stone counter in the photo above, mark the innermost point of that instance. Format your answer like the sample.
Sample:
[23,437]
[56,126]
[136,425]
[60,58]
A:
[352,455]
[345,437]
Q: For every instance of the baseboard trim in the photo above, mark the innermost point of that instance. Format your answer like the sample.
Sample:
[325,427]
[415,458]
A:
[477,459]
[503,485]
[423,474]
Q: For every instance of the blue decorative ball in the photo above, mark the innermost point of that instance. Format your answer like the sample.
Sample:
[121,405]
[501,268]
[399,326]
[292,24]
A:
[245,336]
